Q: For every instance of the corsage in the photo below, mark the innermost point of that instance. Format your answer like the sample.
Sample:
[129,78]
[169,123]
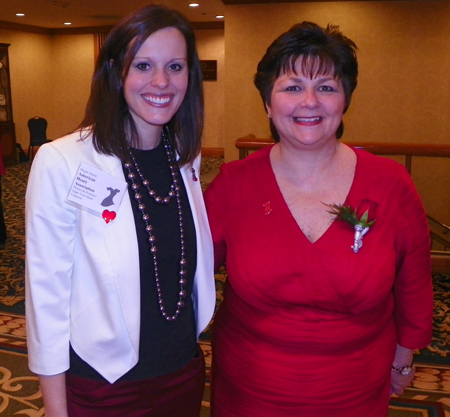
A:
[361,218]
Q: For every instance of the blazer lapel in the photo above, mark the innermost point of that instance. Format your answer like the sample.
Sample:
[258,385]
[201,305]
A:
[204,292]
[121,240]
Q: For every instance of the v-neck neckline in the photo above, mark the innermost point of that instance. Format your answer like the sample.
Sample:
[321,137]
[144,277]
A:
[280,197]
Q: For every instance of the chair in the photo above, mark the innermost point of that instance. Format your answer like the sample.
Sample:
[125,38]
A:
[38,133]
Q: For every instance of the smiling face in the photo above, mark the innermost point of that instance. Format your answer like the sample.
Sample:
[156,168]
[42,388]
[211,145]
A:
[156,83]
[306,110]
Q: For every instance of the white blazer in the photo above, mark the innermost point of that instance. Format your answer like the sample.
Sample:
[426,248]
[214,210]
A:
[82,275]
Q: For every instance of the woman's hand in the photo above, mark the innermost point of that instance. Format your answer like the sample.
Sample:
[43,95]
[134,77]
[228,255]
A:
[400,382]
[403,357]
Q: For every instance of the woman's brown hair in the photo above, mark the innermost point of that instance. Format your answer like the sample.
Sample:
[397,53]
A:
[107,115]
[321,51]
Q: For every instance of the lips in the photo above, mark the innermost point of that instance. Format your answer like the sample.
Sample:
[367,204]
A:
[158,100]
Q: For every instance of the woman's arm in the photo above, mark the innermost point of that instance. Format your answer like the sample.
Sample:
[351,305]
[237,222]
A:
[53,389]
[50,234]
[403,357]
[413,288]
[215,201]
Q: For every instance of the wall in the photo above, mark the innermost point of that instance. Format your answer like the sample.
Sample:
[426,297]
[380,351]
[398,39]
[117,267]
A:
[72,68]
[211,47]
[51,77]
[29,58]
[403,92]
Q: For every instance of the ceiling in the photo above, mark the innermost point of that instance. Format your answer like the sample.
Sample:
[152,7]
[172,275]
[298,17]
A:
[53,14]
[50,15]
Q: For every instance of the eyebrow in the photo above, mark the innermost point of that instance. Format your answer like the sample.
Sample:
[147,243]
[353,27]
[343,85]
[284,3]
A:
[149,58]
[300,79]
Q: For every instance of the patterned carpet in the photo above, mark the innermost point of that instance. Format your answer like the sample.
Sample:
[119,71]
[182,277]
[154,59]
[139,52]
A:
[429,395]
[12,256]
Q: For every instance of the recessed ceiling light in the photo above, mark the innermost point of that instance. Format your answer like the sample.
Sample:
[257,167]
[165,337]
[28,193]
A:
[20,14]
[67,23]
[194,4]
[220,16]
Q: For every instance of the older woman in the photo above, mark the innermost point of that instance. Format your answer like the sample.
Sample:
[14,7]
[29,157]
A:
[327,252]
[119,253]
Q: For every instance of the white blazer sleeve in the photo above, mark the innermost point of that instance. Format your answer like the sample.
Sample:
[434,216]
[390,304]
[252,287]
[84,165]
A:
[50,235]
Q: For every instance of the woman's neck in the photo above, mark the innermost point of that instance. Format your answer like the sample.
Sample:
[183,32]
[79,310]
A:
[147,143]
[305,164]
[148,137]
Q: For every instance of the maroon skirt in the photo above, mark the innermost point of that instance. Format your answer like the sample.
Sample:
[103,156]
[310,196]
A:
[177,394]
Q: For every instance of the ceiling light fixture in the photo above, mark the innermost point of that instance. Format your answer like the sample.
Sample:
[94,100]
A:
[220,16]
[20,14]
[67,23]
[194,4]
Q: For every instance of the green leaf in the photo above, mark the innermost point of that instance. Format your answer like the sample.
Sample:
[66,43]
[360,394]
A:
[364,218]
[344,213]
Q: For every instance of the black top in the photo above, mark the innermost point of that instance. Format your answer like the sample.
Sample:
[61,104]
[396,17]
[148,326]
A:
[164,346]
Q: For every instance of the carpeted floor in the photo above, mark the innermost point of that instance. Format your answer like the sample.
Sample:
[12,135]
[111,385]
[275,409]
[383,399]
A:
[429,395]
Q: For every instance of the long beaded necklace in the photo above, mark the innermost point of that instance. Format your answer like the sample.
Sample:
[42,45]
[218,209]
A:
[174,191]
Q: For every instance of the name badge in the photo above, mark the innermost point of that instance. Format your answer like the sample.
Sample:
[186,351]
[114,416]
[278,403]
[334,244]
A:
[97,192]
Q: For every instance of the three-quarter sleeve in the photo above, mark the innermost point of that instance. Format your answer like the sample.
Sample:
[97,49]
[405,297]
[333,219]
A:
[413,290]
[50,234]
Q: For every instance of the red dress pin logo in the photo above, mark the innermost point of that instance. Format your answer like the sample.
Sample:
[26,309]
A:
[267,208]
[108,216]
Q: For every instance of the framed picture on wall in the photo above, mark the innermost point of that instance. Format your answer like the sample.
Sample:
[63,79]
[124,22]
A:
[209,70]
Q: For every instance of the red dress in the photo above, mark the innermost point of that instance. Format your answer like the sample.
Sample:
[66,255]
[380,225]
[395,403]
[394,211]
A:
[310,329]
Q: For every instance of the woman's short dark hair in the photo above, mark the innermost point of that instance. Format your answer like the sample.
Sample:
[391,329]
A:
[107,115]
[321,51]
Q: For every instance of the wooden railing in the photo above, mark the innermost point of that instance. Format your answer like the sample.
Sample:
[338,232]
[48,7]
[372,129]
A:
[439,232]
[250,143]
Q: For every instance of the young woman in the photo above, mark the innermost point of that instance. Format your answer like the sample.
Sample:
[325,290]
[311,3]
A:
[119,273]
